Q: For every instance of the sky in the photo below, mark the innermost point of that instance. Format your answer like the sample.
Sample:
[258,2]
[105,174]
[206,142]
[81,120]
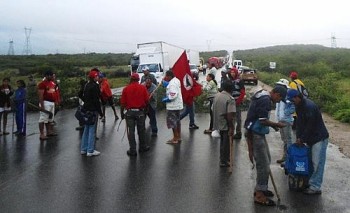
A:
[116,26]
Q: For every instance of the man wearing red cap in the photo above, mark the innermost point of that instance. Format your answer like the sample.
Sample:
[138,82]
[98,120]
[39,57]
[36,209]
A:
[92,105]
[238,94]
[134,100]
[295,83]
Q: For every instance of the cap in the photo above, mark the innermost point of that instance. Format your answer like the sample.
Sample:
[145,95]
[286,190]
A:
[135,76]
[292,93]
[293,74]
[283,82]
[145,68]
[101,75]
[48,73]
[280,90]
[93,74]
[234,70]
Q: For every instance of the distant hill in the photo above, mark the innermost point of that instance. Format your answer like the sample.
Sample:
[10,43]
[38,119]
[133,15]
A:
[296,57]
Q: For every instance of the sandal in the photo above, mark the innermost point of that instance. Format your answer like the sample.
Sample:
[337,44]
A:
[208,131]
[172,142]
[43,138]
[268,202]
[267,193]
[52,134]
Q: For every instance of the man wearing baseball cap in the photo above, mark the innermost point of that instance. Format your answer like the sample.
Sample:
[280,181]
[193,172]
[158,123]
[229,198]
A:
[134,100]
[311,130]
[147,74]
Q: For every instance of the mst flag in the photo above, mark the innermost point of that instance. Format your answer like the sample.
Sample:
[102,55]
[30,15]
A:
[189,87]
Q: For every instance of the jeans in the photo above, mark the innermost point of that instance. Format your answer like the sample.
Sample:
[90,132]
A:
[286,137]
[152,119]
[224,146]
[189,110]
[263,160]
[136,119]
[318,157]
[88,138]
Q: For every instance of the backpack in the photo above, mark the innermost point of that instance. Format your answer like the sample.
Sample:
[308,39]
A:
[297,161]
[302,89]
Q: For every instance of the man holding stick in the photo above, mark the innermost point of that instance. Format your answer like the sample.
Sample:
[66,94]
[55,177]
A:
[224,113]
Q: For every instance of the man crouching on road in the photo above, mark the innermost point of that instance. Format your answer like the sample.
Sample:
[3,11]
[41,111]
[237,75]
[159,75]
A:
[257,125]
[224,106]
[134,99]
[312,131]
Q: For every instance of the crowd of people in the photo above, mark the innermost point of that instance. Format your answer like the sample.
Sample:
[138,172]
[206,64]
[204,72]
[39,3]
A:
[138,100]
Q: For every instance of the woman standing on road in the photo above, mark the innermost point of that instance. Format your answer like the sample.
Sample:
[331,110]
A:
[211,88]
[5,103]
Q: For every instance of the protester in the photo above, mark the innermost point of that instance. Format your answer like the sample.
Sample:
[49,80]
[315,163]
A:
[21,108]
[106,96]
[238,94]
[190,111]
[224,114]
[311,130]
[284,114]
[295,83]
[223,77]
[256,124]
[135,99]
[211,89]
[5,103]
[82,84]
[174,104]
[152,105]
[47,99]
[147,74]
[92,105]
[212,69]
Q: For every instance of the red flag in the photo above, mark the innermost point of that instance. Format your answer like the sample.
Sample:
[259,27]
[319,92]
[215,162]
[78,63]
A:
[189,87]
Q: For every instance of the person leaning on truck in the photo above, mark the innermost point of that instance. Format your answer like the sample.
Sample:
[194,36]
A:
[147,74]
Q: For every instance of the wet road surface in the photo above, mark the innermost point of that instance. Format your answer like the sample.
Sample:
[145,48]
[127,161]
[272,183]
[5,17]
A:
[52,176]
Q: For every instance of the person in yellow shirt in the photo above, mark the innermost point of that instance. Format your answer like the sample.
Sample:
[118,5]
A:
[295,81]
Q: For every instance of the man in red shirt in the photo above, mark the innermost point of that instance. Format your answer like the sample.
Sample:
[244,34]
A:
[134,100]
[106,96]
[47,101]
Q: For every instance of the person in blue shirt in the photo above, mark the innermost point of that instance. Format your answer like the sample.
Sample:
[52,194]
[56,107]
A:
[20,108]
[311,130]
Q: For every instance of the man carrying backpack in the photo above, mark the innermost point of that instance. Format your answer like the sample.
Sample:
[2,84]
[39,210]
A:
[297,84]
[310,129]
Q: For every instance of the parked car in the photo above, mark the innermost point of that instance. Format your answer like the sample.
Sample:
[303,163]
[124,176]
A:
[194,71]
[248,75]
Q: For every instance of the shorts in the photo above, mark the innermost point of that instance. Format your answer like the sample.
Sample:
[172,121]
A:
[109,101]
[7,109]
[173,119]
[44,117]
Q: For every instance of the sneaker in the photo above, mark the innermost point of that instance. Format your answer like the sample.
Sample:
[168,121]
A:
[310,191]
[131,153]
[79,128]
[224,164]
[238,135]
[193,126]
[5,133]
[95,153]
[82,152]
[144,149]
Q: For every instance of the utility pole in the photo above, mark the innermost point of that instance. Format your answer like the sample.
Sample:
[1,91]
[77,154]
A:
[333,41]
[27,47]
[11,49]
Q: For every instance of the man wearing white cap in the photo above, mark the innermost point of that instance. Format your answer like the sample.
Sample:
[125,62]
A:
[147,74]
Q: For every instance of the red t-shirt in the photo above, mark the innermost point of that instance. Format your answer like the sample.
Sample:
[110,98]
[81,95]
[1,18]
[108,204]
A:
[134,96]
[49,88]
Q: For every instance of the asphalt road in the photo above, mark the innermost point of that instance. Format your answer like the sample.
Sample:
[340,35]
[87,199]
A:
[52,176]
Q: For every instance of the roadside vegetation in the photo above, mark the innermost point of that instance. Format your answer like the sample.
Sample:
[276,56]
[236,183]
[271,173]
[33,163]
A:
[325,72]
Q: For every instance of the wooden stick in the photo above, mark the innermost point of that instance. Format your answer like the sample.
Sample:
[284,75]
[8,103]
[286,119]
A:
[231,154]
[41,110]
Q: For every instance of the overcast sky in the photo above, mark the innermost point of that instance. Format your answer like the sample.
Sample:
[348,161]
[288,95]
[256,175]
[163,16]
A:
[116,26]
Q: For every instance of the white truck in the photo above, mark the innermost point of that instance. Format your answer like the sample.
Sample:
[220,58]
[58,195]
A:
[159,57]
